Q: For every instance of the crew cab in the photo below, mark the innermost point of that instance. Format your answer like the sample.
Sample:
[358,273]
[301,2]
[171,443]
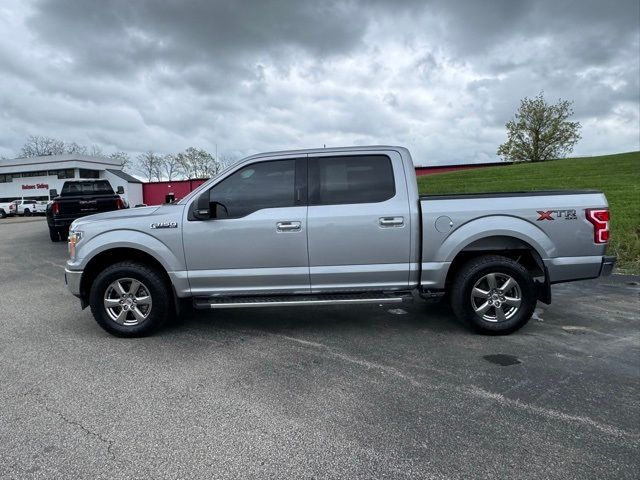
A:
[335,226]
[77,199]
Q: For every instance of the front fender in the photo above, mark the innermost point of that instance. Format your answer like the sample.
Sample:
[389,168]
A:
[169,254]
[495,226]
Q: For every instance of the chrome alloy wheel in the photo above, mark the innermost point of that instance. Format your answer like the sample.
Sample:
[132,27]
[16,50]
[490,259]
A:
[496,297]
[127,301]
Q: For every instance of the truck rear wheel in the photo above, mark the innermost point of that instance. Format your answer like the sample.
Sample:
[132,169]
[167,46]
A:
[130,299]
[54,235]
[493,294]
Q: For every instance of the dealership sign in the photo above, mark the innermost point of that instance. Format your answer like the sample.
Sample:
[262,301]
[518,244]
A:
[37,186]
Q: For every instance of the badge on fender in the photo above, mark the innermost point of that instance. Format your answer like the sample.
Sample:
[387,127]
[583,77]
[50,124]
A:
[165,225]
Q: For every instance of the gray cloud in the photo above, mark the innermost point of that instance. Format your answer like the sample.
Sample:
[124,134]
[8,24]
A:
[440,77]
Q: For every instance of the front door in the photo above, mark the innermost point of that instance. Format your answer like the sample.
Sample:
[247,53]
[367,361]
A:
[258,242]
[359,223]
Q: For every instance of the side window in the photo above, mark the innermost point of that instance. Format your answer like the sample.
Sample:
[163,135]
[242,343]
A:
[351,179]
[254,187]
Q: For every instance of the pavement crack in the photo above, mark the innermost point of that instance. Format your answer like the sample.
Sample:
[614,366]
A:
[357,361]
[547,412]
[110,443]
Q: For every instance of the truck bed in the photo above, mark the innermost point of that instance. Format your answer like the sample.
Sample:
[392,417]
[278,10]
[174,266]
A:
[551,223]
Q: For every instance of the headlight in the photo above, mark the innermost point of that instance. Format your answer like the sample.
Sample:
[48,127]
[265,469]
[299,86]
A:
[74,238]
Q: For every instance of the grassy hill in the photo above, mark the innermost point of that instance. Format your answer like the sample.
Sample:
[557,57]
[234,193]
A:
[618,176]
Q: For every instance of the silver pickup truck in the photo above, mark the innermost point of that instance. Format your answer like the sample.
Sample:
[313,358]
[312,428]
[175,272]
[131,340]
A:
[335,226]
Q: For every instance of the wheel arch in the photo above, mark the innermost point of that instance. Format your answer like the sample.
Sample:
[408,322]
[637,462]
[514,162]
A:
[114,255]
[508,246]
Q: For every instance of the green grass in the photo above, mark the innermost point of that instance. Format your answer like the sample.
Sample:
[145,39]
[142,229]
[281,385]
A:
[618,176]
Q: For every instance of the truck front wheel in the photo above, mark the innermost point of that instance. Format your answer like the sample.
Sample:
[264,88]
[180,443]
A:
[493,294]
[129,299]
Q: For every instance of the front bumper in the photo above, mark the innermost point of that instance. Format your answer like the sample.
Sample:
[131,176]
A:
[608,262]
[72,279]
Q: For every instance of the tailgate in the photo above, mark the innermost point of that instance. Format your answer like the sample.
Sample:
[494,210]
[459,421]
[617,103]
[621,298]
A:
[87,205]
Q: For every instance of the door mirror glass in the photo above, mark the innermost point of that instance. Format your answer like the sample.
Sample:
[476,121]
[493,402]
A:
[53,193]
[120,190]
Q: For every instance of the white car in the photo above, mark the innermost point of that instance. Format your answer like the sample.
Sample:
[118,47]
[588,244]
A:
[7,209]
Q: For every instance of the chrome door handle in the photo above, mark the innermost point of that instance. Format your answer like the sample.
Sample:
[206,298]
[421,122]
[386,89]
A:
[288,226]
[391,221]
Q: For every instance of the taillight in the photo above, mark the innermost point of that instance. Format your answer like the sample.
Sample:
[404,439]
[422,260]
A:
[55,208]
[600,220]
[119,203]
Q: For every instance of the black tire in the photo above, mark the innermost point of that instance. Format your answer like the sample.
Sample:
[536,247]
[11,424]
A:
[3,214]
[156,287]
[64,233]
[479,269]
[27,212]
[54,235]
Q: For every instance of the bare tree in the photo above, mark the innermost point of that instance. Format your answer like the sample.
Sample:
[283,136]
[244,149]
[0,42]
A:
[74,148]
[96,151]
[540,131]
[226,159]
[36,146]
[170,167]
[123,158]
[148,164]
[198,163]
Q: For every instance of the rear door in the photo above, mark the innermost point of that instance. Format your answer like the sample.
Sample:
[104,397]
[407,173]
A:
[358,219]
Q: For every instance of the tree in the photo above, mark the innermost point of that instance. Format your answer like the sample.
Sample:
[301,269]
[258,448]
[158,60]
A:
[170,167]
[540,131]
[36,146]
[226,159]
[149,165]
[74,148]
[123,158]
[197,163]
[96,151]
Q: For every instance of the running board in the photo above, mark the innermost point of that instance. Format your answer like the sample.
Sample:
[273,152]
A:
[297,300]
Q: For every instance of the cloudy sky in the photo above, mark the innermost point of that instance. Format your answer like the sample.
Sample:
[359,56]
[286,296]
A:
[440,77]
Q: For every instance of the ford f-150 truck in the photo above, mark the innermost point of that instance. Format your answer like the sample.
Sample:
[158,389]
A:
[335,226]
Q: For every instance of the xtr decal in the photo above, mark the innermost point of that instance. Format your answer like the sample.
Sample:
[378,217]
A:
[553,214]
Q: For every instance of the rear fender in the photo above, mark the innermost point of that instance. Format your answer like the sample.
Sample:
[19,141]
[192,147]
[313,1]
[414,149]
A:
[495,226]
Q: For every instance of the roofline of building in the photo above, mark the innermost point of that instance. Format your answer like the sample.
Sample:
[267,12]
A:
[29,161]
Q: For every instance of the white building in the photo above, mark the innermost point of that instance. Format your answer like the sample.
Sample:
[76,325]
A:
[32,178]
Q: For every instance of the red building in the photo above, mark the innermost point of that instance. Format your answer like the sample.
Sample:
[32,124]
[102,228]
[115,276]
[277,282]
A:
[155,193]
[420,171]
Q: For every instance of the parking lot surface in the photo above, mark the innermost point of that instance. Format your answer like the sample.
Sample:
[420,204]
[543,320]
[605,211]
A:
[324,392]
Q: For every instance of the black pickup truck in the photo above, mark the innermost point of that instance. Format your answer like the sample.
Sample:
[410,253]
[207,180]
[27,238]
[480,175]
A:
[77,199]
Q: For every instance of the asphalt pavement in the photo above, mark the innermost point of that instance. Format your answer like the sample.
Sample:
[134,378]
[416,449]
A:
[323,392]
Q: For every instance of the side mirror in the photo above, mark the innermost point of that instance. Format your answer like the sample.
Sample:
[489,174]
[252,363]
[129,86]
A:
[53,193]
[202,211]
[120,190]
